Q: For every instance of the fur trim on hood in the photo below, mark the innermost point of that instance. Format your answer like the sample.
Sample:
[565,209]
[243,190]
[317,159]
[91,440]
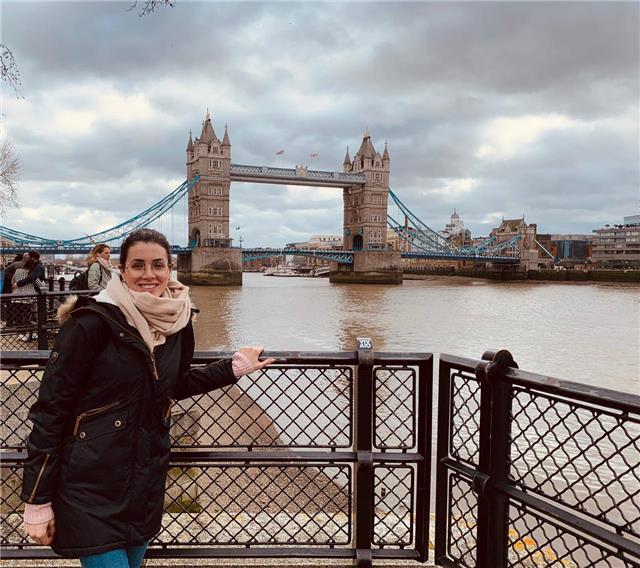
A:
[64,310]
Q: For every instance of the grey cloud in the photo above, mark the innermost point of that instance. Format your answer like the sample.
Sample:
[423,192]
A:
[426,76]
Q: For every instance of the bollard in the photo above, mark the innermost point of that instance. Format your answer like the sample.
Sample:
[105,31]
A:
[62,282]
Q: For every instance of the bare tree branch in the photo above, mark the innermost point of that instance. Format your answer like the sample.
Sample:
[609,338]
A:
[10,165]
[150,6]
[9,68]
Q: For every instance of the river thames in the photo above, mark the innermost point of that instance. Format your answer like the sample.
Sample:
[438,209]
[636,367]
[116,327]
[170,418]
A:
[587,333]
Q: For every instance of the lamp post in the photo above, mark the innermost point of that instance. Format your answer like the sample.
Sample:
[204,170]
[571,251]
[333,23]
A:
[239,236]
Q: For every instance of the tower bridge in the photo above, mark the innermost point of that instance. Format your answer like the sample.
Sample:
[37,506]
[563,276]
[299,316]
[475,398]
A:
[209,257]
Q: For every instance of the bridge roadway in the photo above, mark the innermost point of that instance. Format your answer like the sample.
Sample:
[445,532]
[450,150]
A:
[248,254]
[346,256]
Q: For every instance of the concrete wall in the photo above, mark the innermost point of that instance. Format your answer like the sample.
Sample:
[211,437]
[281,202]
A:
[538,275]
[585,275]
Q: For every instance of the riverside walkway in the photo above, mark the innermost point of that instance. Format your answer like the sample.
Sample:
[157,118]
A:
[372,459]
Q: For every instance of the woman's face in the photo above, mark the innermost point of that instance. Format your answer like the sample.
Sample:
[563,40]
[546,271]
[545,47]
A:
[106,253]
[147,268]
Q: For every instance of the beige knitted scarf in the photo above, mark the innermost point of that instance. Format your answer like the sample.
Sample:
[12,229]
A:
[154,317]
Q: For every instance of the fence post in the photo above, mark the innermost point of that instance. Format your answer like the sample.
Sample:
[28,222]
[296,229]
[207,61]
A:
[424,432]
[50,280]
[494,461]
[363,414]
[41,301]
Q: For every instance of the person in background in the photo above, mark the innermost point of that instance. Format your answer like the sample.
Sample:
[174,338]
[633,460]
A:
[35,276]
[22,284]
[24,310]
[98,454]
[7,311]
[99,267]
[10,270]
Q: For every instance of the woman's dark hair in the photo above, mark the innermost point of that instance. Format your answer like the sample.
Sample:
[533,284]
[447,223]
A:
[144,236]
[30,263]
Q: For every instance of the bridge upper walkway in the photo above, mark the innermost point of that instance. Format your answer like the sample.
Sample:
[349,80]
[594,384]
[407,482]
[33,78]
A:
[294,176]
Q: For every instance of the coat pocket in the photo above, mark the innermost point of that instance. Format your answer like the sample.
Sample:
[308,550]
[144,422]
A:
[101,458]
[91,417]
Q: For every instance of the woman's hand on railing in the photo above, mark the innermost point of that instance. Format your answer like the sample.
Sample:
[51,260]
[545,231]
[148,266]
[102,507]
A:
[41,533]
[253,354]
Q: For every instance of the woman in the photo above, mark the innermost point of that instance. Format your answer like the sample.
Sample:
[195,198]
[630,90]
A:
[95,475]
[21,274]
[99,272]
[24,310]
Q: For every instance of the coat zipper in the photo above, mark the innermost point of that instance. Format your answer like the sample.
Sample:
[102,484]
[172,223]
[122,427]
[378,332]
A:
[92,412]
[44,465]
[155,369]
[153,358]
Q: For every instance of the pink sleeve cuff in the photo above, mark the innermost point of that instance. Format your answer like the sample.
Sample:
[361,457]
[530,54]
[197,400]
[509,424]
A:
[36,514]
[240,364]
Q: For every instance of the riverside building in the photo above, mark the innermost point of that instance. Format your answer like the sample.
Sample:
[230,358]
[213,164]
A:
[618,246]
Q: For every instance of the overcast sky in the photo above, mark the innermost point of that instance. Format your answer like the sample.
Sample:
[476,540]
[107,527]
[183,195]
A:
[494,109]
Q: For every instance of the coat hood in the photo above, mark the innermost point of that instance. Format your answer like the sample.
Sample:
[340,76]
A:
[71,303]
[65,309]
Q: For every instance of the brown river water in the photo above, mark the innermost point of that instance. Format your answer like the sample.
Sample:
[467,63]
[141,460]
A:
[587,333]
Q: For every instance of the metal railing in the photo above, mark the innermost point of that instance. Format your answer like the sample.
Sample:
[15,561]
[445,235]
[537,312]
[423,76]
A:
[534,471]
[319,455]
[29,321]
[328,455]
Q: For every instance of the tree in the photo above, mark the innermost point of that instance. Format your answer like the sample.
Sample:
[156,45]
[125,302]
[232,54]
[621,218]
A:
[150,6]
[9,175]
[10,72]
[10,163]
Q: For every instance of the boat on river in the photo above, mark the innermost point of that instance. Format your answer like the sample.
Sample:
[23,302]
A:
[283,270]
[291,270]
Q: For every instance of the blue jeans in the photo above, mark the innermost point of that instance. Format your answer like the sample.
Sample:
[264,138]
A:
[121,558]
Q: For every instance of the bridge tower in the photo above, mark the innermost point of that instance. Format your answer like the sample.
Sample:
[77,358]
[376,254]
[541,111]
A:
[212,260]
[365,207]
[365,220]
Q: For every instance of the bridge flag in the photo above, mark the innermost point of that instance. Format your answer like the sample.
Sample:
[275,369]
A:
[280,152]
[313,155]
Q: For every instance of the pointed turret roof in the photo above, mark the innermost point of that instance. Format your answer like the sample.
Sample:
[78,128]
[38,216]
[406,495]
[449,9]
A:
[225,139]
[385,155]
[366,148]
[190,144]
[347,159]
[207,135]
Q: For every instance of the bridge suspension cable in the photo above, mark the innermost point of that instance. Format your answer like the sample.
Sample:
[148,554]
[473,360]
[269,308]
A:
[420,227]
[424,240]
[141,220]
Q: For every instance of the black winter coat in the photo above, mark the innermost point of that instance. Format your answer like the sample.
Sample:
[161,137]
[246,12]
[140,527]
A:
[99,448]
